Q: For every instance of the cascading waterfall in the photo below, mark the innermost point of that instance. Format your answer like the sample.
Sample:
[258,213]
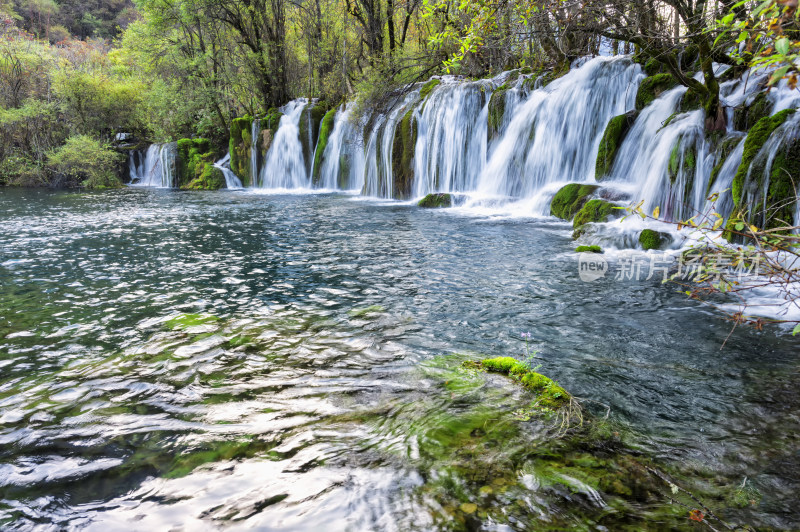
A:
[343,159]
[284,167]
[231,181]
[452,137]
[156,168]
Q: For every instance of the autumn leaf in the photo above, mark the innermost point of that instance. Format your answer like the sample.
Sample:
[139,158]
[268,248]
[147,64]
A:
[697,515]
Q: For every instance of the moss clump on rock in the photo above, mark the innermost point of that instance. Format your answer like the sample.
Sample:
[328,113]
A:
[211,178]
[435,201]
[614,135]
[650,239]
[405,142]
[690,101]
[428,87]
[747,116]
[687,159]
[651,88]
[239,146]
[595,210]
[551,395]
[756,138]
[325,129]
[588,249]
[570,199]
[496,111]
[193,157]
[310,121]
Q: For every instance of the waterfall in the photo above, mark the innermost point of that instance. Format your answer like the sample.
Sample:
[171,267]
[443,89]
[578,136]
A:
[724,181]
[157,167]
[231,181]
[284,167]
[255,131]
[343,158]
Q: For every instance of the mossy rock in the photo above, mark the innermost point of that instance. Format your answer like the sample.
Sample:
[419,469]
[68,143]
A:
[325,130]
[653,67]
[551,396]
[570,199]
[240,144]
[426,89]
[747,116]
[688,161]
[588,249]
[405,142]
[211,178]
[722,151]
[650,239]
[613,137]
[497,109]
[690,101]
[755,140]
[310,121]
[651,88]
[193,156]
[435,201]
[593,211]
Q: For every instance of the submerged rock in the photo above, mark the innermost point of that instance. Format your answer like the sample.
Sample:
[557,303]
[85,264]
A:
[551,395]
[433,201]
[588,249]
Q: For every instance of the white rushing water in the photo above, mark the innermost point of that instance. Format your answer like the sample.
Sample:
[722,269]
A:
[231,180]
[155,167]
[284,167]
[343,159]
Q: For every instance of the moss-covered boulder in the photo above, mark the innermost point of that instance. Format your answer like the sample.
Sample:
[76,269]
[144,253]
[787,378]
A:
[240,143]
[193,156]
[551,395]
[690,101]
[211,178]
[497,109]
[650,239]
[325,129]
[614,135]
[593,211]
[426,89]
[747,116]
[570,199]
[405,142]
[651,88]
[683,155]
[310,121]
[588,249]
[435,201]
[755,140]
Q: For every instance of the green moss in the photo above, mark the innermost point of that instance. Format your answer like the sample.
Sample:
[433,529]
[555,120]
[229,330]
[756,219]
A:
[551,396]
[211,178]
[240,144]
[497,109]
[650,239]
[193,156]
[309,126]
[653,67]
[569,200]
[614,135]
[588,249]
[747,116]
[756,138]
[722,150]
[595,210]
[428,87]
[434,201]
[184,321]
[690,101]
[405,142]
[651,88]
[325,130]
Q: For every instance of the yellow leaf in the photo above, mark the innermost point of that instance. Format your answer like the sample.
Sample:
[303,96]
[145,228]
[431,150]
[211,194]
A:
[754,229]
[717,224]
[656,212]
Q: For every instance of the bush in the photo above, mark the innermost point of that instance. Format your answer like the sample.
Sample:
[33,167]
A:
[84,161]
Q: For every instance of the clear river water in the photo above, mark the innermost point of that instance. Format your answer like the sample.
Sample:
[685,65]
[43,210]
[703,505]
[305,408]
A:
[233,360]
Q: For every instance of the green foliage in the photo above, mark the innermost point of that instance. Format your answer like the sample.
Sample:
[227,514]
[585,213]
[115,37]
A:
[551,395]
[325,130]
[86,161]
[614,135]
[240,144]
[211,178]
[435,201]
[194,156]
[569,200]
[651,88]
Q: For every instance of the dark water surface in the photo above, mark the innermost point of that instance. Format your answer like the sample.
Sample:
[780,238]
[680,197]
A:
[232,360]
